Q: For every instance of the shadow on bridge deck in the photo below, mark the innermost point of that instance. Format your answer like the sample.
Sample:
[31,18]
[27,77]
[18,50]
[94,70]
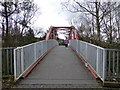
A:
[60,68]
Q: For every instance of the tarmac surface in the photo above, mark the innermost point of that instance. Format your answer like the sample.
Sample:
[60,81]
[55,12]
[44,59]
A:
[60,68]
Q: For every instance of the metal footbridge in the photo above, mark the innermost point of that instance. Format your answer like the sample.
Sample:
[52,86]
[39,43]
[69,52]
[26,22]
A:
[46,64]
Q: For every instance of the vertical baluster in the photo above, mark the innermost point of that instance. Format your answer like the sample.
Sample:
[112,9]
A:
[15,67]
[104,64]
[22,60]
[11,61]
[117,63]
[113,68]
[97,58]
[7,52]
[109,61]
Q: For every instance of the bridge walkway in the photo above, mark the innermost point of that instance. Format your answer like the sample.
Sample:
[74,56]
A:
[60,68]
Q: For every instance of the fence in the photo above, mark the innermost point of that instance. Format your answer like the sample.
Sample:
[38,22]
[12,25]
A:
[104,62]
[26,56]
[0,63]
[7,61]
[113,64]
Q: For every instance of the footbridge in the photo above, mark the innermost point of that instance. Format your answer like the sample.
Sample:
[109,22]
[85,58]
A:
[46,64]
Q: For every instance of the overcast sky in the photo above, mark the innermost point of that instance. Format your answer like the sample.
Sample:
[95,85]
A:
[51,14]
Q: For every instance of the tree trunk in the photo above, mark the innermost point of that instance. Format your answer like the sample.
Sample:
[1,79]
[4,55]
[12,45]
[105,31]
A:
[110,38]
[97,20]
[7,25]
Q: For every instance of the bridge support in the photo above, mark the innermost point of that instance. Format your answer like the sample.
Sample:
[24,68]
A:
[70,31]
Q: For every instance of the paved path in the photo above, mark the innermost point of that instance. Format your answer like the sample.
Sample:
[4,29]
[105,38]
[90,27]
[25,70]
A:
[60,67]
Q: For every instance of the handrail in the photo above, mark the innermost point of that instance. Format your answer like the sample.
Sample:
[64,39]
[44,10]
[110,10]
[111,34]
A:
[25,57]
[104,62]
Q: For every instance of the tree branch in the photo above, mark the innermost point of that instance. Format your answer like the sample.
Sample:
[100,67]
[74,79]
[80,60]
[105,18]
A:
[84,8]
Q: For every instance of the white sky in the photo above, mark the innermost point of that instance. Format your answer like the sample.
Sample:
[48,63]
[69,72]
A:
[51,14]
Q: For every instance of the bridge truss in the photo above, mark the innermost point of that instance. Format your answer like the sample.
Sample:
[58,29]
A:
[71,32]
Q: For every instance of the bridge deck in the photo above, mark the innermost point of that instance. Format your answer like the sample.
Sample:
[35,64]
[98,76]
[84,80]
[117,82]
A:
[60,67]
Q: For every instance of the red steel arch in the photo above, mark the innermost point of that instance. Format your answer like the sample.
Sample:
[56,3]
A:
[71,31]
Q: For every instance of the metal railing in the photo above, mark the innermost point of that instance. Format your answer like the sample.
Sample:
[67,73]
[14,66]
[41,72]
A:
[105,62]
[113,64]
[26,56]
[7,61]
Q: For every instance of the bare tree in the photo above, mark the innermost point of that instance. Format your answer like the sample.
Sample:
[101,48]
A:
[117,20]
[111,23]
[17,16]
[8,9]
[98,10]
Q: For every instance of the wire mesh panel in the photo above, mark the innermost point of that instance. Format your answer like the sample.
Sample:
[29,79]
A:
[99,63]
[44,47]
[38,50]
[26,56]
[83,48]
[91,55]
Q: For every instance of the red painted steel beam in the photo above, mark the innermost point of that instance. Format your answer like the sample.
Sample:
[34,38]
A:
[53,30]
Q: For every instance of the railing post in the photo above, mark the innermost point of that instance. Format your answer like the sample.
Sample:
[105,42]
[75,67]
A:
[118,63]
[86,51]
[97,60]
[0,68]
[11,61]
[77,46]
[42,48]
[15,68]
[35,52]
[7,60]
[113,64]
[46,46]
[104,64]
[0,62]
[22,60]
